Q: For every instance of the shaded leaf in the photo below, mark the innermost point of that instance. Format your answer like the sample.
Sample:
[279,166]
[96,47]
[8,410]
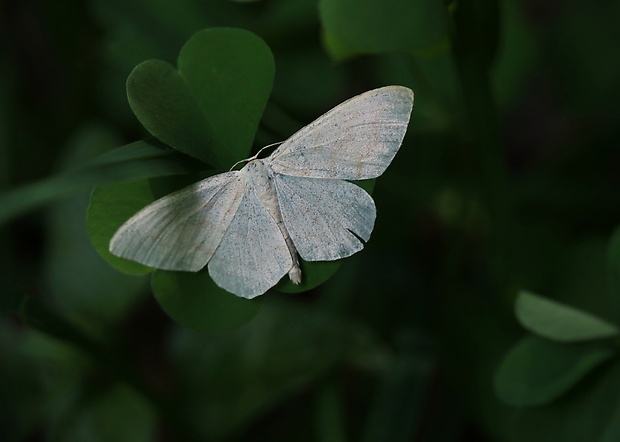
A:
[559,322]
[110,206]
[336,48]
[589,413]
[81,285]
[231,73]
[536,371]
[144,159]
[376,26]
[210,108]
[195,301]
[165,105]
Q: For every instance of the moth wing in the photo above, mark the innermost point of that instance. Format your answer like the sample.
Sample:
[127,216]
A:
[181,231]
[355,140]
[327,219]
[252,256]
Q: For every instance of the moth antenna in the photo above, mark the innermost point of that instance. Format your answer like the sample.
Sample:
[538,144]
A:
[255,156]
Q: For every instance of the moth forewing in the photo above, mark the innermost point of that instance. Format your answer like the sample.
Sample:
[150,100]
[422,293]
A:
[249,226]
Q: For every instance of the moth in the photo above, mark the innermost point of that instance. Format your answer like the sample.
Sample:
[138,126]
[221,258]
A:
[250,226]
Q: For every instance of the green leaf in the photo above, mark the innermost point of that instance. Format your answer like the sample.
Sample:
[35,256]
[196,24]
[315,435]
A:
[231,73]
[96,295]
[110,206]
[141,159]
[335,47]
[163,102]
[560,322]
[376,26]
[537,371]
[210,108]
[194,300]
[139,150]
[589,413]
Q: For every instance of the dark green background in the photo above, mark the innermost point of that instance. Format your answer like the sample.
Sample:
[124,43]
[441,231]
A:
[508,180]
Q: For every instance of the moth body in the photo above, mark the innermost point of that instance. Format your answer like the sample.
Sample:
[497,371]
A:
[249,227]
[260,176]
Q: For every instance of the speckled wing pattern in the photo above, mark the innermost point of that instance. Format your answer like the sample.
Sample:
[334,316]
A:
[328,218]
[249,225]
[325,218]
[356,140]
[181,231]
[252,256]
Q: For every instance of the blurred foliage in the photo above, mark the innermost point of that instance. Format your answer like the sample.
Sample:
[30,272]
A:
[485,307]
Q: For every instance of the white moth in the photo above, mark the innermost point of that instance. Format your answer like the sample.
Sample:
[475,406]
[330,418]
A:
[250,225]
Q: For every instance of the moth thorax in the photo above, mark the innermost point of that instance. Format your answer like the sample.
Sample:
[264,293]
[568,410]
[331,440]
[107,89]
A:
[260,178]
